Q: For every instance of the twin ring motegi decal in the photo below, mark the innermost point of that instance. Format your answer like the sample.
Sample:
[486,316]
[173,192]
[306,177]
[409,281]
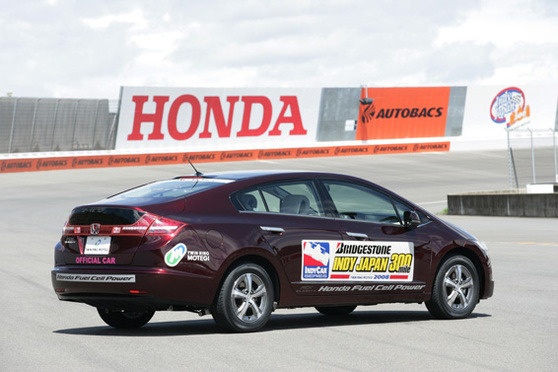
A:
[357,261]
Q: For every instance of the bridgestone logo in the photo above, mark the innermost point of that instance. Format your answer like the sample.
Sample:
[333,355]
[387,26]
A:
[96,278]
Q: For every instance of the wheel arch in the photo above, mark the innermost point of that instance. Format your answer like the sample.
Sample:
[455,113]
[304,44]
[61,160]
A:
[258,260]
[471,255]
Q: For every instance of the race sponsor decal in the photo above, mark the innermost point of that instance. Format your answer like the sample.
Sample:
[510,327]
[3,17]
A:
[197,256]
[12,166]
[17,165]
[391,113]
[357,261]
[315,260]
[494,112]
[158,117]
[93,278]
[509,107]
[175,255]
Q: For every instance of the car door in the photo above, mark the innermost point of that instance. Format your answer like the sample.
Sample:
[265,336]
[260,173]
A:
[296,226]
[378,249]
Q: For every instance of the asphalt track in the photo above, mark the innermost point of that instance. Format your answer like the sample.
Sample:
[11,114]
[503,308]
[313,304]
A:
[514,330]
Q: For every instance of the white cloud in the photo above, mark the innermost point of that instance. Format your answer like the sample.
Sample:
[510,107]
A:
[90,49]
[505,24]
[135,18]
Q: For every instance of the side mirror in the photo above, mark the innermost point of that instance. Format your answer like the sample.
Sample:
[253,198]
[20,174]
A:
[411,219]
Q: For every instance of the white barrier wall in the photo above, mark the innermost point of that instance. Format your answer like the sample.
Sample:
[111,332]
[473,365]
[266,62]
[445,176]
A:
[490,110]
[174,125]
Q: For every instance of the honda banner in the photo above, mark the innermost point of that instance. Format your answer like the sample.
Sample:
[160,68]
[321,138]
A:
[190,118]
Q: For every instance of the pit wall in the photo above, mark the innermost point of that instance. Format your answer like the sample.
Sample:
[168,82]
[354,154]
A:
[158,125]
[508,204]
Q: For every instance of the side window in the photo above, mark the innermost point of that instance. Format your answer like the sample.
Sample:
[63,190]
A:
[290,197]
[358,202]
[250,200]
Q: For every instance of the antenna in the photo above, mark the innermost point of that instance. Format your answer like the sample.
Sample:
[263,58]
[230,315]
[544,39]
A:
[198,173]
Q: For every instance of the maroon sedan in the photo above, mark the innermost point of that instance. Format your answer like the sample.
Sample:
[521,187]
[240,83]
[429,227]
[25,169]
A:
[239,245]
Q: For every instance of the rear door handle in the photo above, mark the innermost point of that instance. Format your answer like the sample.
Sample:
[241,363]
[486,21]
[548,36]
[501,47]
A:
[357,235]
[272,229]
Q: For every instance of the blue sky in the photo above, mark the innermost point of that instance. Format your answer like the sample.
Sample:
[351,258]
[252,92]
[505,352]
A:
[89,49]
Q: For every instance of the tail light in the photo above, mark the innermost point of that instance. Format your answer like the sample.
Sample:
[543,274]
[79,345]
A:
[164,226]
[148,224]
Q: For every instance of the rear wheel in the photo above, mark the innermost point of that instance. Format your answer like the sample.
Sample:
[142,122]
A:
[456,289]
[125,319]
[245,300]
[336,310]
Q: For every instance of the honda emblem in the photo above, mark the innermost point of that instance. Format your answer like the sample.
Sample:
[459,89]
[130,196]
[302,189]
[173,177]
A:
[95,228]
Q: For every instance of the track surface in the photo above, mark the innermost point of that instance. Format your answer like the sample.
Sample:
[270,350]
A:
[514,330]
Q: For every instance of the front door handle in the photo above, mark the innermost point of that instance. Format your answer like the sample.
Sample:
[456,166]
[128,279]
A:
[357,235]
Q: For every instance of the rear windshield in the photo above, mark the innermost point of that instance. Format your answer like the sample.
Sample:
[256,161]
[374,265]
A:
[163,191]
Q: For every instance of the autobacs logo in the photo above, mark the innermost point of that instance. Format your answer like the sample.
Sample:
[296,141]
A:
[369,112]
[389,113]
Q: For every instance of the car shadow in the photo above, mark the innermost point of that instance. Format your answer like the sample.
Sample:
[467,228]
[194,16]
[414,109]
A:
[277,322]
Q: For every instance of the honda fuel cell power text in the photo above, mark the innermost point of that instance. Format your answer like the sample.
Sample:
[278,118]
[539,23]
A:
[238,245]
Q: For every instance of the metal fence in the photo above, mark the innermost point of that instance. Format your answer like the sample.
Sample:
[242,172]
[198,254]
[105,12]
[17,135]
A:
[51,124]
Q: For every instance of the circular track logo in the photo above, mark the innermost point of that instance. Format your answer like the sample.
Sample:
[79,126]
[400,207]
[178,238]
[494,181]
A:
[505,103]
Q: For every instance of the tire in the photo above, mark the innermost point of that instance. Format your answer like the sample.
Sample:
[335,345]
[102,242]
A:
[245,299]
[125,319]
[455,292]
[336,310]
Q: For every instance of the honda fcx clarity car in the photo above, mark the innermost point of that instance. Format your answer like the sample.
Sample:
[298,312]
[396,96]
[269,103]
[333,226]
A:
[238,245]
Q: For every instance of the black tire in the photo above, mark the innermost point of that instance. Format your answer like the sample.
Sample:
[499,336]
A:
[336,310]
[455,292]
[125,319]
[245,299]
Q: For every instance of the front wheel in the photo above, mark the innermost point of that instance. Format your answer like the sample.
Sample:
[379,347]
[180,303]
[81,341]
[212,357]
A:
[245,300]
[456,289]
[125,319]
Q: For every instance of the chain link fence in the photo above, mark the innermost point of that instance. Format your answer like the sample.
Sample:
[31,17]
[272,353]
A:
[51,124]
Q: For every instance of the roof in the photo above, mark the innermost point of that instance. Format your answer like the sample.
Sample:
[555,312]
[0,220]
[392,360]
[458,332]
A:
[243,175]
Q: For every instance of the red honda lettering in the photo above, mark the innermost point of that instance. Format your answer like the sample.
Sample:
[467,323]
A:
[194,122]
[295,118]
[245,130]
[140,117]
[214,106]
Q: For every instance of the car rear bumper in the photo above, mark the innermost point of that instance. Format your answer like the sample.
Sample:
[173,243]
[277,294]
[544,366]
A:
[133,288]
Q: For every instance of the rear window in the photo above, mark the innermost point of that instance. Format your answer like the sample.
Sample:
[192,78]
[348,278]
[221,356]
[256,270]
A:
[104,215]
[163,191]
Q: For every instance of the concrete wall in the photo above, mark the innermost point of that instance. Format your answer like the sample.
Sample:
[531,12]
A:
[504,204]
[338,106]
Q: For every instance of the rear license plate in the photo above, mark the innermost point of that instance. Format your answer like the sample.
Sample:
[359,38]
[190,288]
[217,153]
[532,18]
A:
[97,245]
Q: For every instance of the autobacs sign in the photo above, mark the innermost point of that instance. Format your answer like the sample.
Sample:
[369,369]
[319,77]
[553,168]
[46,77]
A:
[169,117]
[388,113]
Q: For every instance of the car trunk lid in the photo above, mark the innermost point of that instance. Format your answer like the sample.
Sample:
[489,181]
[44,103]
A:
[111,235]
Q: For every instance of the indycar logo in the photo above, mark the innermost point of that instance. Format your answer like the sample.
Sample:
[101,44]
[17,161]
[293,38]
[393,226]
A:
[315,260]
